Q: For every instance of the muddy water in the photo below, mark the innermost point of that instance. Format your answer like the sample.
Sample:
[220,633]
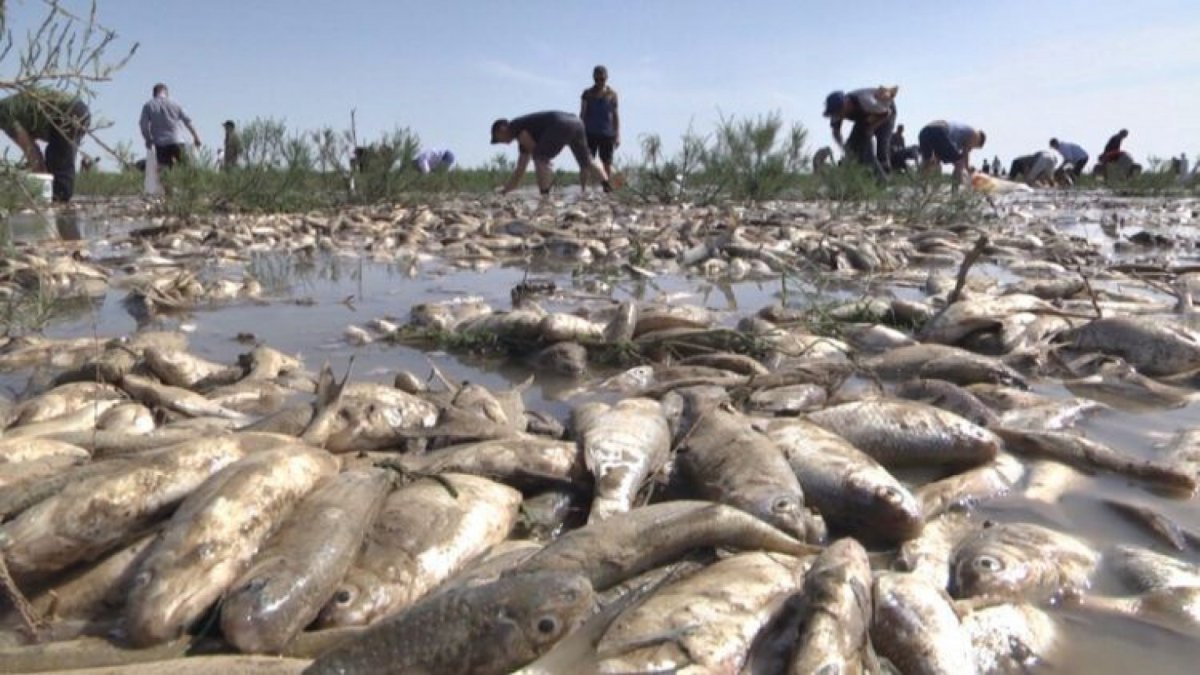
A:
[308,303]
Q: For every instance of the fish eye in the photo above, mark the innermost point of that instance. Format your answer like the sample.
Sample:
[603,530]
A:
[889,494]
[342,597]
[783,504]
[988,563]
[547,625]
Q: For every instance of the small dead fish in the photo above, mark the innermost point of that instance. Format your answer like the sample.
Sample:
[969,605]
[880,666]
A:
[1089,455]
[623,446]
[298,569]
[180,400]
[997,477]
[907,433]
[213,535]
[1012,638]
[1144,570]
[942,362]
[1157,523]
[522,461]
[179,368]
[929,555]
[472,630]
[950,397]
[1021,561]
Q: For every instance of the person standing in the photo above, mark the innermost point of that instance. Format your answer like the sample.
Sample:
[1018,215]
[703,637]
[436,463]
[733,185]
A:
[873,112]
[949,143]
[56,118]
[540,137]
[1073,156]
[601,120]
[160,122]
[233,147]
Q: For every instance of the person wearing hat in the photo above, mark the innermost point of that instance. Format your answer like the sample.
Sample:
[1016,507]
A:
[873,112]
[54,117]
[432,160]
[233,146]
[541,136]
[948,143]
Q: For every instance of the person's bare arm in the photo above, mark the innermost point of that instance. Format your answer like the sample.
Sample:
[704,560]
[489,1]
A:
[616,123]
[518,173]
[29,147]
[192,130]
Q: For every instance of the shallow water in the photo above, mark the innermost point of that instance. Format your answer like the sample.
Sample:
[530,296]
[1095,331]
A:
[308,303]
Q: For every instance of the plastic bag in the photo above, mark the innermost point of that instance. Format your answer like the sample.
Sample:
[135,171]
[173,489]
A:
[152,186]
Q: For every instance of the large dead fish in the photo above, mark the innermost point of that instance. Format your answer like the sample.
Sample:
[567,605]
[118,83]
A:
[623,445]
[521,461]
[706,622]
[996,478]
[469,630]
[213,536]
[916,627]
[836,609]
[727,460]
[299,568]
[907,433]
[94,514]
[846,486]
[620,548]
[424,533]
[1021,561]
[1154,347]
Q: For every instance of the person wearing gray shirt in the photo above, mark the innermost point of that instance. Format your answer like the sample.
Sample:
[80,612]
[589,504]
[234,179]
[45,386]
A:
[160,122]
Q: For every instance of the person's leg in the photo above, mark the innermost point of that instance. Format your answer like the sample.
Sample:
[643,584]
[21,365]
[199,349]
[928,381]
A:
[883,140]
[60,162]
[606,155]
[594,143]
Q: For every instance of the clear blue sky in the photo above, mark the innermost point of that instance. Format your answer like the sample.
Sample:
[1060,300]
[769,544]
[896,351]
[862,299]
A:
[1021,70]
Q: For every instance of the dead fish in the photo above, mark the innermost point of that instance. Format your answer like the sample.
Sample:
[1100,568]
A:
[1021,561]
[929,555]
[987,481]
[725,459]
[131,418]
[1174,608]
[950,397]
[177,399]
[915,626]
[978,313]
[425,532]
[28,449]
[1157,523]
[178,368]
[212,537]
[1145,570]
[1153,347]
[734,363]
[846,486]
[623,446]
[942,362]
[544,516]
[558,327]
[709,619]
[472,630]
[1089,455]
[81,419]
[1012,638]
[230,664]
[36,470]
[298,569]
[92,514]
[907,433]
[837,608]
[620,548]
[1183,452]
[623,323]
[522,461]
[448,314]
[563,358]
[790,400]
[61,400]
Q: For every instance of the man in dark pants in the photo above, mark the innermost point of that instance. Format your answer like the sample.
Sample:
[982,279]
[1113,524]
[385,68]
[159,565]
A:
[160,122]
[873,112]
[598,108]
[58,119]
[541,136]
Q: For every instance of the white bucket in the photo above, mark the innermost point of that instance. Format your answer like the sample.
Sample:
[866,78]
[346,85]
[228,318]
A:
[41,185]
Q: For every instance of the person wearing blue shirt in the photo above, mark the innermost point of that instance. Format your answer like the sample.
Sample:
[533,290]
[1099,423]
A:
[601,120]
[1073,155]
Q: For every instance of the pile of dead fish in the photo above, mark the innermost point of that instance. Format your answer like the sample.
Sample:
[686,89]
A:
[789,490]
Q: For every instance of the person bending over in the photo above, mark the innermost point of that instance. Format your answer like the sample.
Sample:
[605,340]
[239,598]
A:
[541,137]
